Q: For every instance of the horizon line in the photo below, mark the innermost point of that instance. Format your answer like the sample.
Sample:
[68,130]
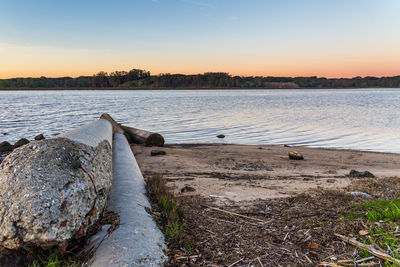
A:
[167,73]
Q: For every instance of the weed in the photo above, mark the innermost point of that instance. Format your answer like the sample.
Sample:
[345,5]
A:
[376,210]
[172,216]
[52,259]
[174,230]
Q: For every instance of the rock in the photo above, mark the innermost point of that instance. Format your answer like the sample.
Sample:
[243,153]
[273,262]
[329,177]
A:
[295,155]
[6,146]
[39,137]
[187,188]
[51,192]
[360,194]
[221,136]
[357,174]
[3,155]
[21,142]
[158,152]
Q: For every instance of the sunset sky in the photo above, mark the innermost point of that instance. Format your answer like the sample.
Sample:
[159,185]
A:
[331,38]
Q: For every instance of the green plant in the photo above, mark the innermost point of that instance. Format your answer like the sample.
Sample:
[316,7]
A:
[51,258]
[377,210]
[174,230]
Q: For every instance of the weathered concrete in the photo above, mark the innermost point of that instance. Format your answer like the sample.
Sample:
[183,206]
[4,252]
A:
[52,190]
[137,241]
[91,134]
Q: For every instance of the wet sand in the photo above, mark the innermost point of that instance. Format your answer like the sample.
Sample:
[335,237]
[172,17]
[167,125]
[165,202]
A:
[232,173]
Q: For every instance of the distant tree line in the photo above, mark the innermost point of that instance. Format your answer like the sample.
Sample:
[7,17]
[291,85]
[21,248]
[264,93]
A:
[141,79]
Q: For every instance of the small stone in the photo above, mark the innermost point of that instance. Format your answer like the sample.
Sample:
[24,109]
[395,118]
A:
[187,188]
[21,142]
[357,174]
[5,147]
[39,137]
[221,136]
[158,152]
[295,155]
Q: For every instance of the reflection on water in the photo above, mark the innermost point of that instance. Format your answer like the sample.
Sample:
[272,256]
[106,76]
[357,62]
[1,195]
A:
[367,119]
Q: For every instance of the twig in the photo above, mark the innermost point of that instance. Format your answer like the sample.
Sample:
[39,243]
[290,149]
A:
[235,214]
[211,232]
[236,262]
[234,232]
[370,249]
[259,261]
[310,261]
[187,257]
[286,236]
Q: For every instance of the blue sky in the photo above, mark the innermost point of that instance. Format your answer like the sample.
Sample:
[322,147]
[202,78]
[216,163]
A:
[253,37]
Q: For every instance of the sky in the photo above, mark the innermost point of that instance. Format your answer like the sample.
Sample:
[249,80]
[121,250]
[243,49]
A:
[329,38]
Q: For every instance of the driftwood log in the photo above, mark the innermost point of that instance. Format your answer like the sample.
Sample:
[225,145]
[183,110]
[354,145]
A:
[143,137]
[115,126]
[134,135]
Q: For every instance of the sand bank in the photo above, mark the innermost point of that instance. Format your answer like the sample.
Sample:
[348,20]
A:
[250,172]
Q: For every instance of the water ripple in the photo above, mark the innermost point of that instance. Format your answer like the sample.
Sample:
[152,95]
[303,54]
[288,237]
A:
[367,119]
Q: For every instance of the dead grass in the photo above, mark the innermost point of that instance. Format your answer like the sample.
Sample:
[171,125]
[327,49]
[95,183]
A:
[297,231]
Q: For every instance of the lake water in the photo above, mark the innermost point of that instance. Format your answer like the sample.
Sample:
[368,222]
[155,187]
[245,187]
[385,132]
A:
[366,119]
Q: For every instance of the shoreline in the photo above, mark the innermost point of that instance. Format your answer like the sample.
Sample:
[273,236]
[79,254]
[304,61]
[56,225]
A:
[184,145]
[179,89]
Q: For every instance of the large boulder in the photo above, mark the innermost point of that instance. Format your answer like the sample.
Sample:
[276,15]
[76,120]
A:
[51,191]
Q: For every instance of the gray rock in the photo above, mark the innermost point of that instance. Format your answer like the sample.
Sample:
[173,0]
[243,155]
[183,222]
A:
[357,174]
[3,155]
[51,191]
[6,146]
[39,137]
[158,152]
[21,142]
[295,155]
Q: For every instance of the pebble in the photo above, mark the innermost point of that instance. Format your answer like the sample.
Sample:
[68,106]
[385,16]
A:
[158,152]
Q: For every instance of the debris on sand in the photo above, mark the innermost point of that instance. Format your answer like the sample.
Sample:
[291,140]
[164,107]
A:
[357,174]
[295,155]
[158,152]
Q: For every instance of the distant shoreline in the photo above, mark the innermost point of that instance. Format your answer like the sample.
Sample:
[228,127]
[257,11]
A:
[176,89]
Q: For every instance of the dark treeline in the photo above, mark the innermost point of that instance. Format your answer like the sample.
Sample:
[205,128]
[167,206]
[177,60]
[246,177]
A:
[137,78]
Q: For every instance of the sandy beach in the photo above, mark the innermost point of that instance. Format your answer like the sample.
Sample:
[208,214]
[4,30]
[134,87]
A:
[250,172]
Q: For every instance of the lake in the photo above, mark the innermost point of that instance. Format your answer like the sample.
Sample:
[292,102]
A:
[365,119]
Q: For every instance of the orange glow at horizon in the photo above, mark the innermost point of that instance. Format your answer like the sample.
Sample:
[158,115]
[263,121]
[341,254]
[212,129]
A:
[20,61]
[279,70]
